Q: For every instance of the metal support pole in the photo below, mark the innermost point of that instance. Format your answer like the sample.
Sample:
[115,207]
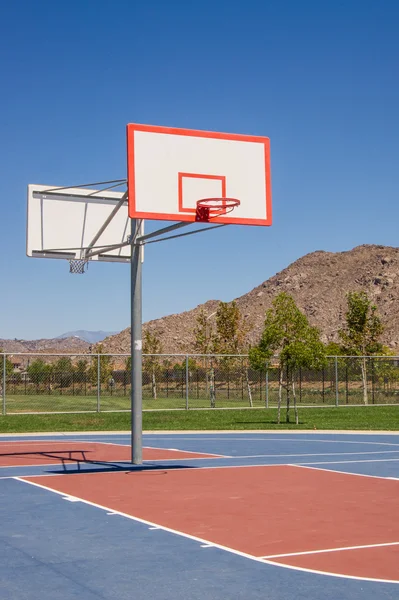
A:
[187,382]
[4,382]
[136,350]
[98,382]
[267,385]
[336,383]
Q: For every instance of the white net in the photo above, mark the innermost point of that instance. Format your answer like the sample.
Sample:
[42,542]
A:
[77,266]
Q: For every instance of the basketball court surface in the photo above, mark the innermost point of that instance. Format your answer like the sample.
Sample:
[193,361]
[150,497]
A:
[207,515]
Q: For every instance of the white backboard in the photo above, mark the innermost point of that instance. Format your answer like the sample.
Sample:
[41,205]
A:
[169,170]
[63,221]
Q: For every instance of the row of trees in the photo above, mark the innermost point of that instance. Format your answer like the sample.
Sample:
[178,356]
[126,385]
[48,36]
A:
[40,371]
[288,336]
[65,370]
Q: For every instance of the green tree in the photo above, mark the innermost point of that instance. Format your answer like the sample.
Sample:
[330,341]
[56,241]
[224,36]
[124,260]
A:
[80,373]
[151,364]
[204,342]
[386,371]
[128,370]
[63,371]
[81,367]
[288,334]
[230,338]
[103,362]
[63,365]
[334,349]
[39,371]
[191,363]
[361,333]
[203,333]
[231,330]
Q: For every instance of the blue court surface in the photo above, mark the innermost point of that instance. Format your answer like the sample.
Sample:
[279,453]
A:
[276,516]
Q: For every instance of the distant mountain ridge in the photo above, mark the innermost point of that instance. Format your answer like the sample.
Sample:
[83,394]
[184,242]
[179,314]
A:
[79,341]
[70,345]
[92,337]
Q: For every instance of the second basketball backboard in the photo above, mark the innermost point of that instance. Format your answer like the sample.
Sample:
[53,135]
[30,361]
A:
[62,222]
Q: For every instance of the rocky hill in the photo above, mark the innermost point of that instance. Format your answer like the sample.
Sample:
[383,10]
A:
[318,282]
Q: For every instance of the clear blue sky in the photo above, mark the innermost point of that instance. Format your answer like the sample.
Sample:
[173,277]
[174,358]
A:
[320,78]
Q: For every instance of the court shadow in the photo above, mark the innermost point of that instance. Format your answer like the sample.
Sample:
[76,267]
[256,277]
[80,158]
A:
[72,456]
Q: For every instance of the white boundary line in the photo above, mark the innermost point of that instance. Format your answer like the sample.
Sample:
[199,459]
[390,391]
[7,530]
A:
[119,445]
[308,466]
[363,460]
[204,541]
[205,454]
[366,546]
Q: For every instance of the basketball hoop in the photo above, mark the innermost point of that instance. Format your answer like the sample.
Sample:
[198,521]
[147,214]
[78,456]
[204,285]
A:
[210,208]
[77,266]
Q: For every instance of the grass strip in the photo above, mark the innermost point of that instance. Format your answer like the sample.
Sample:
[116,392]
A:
[346,417]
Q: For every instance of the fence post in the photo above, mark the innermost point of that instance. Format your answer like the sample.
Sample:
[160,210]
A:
[372,380]
[98,382]
[336,382]
[267,385]
[4,382]
[187,382]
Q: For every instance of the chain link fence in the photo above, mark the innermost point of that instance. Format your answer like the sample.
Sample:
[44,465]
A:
[34,383]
